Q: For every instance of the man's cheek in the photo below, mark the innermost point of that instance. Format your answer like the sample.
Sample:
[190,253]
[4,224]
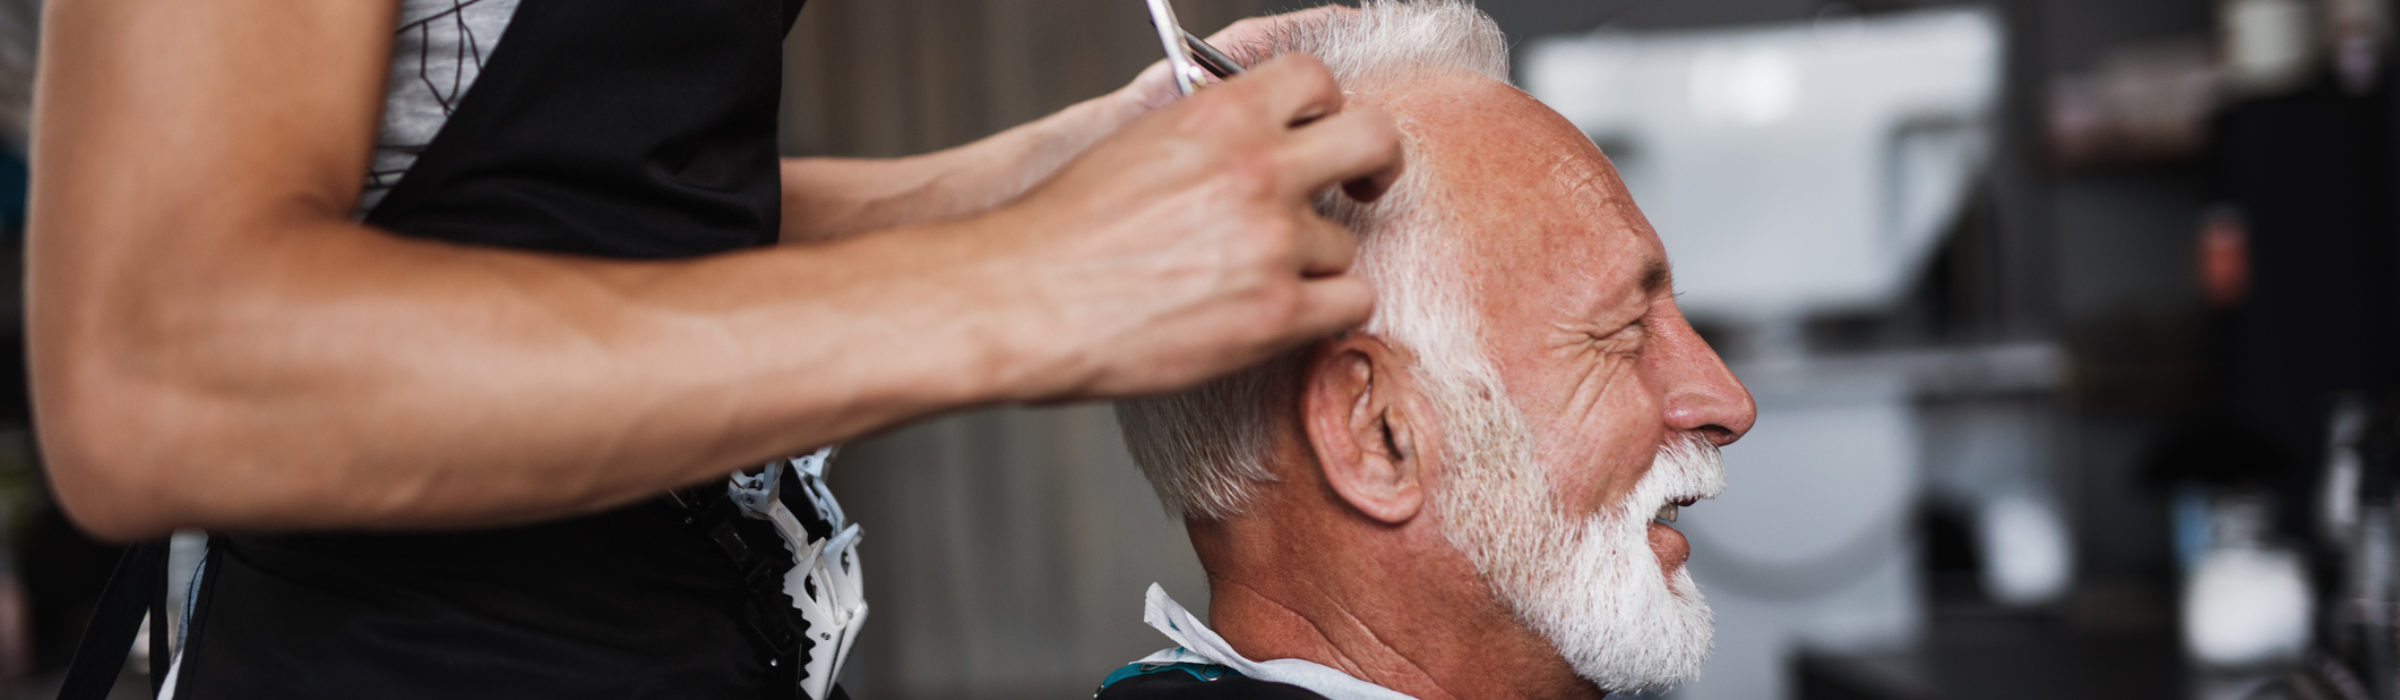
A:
[1622,433]
[1594,472]
[1582,396]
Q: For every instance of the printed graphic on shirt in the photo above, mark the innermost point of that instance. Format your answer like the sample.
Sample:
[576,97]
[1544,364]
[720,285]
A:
[437,52]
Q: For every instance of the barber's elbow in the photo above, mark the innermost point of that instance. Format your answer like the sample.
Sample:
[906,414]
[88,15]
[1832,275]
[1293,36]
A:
[121,457]
[139,425]
[94,503]
[102,490]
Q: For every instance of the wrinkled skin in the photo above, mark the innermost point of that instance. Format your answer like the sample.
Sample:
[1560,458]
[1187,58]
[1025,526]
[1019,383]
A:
[1578,308]
[1580,321]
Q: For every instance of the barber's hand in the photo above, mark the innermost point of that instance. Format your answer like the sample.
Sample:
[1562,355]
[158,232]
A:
[1184,247]
[1244,41]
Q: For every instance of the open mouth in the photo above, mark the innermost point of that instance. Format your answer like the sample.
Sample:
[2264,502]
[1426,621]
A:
[1668,512]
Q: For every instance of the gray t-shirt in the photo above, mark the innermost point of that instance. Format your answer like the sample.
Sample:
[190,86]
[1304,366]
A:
[436,55]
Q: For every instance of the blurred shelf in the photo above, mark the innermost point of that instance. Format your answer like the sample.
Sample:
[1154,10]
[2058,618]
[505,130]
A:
[2003,657]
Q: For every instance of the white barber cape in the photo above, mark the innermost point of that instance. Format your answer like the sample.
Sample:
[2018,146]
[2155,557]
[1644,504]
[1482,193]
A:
[1200,645]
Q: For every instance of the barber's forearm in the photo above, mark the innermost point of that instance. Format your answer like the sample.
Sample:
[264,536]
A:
[433,385]
[827,198]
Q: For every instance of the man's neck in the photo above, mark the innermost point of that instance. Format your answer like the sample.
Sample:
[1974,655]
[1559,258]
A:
[1375,626]
[1262,627]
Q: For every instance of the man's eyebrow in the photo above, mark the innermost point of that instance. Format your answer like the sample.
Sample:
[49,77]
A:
[1656,279]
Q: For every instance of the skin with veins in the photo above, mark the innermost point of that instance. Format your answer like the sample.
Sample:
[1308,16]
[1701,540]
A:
[204,288]
[1571,284]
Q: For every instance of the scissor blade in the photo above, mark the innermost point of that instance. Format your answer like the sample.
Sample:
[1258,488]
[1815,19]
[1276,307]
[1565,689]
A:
[1215,61]
[1170,37]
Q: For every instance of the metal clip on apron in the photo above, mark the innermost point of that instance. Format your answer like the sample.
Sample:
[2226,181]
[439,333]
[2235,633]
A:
[811,586]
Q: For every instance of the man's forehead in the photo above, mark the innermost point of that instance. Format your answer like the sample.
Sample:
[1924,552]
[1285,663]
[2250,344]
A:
[1529,184]
[1464,109]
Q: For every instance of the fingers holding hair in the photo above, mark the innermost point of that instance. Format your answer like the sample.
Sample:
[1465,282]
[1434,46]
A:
[1359,148]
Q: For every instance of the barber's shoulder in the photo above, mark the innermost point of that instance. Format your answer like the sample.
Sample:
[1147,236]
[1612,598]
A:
[1184,686]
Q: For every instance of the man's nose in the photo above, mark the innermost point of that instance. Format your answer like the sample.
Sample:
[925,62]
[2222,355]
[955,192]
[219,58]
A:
[1701,394]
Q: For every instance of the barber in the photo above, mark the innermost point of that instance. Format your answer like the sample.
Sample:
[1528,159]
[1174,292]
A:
[437,421]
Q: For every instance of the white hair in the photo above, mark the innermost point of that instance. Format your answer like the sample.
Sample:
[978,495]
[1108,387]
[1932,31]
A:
[1591,585]
[1204,450]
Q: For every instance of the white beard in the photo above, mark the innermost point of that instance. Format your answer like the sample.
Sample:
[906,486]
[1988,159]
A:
[1593,588]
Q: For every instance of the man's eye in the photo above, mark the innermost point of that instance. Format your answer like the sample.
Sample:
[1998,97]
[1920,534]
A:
[1627,340]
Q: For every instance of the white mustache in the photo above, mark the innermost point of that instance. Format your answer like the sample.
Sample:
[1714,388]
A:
[1688,467]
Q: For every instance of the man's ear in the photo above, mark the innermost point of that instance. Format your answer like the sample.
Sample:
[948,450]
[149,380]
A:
[1362,432]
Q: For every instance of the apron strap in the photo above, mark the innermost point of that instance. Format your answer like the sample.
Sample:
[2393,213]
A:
[138,588]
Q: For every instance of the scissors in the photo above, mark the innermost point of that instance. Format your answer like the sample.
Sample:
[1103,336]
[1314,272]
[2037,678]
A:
[1187,55]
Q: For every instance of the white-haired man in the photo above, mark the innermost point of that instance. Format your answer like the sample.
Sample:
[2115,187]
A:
[1467,498]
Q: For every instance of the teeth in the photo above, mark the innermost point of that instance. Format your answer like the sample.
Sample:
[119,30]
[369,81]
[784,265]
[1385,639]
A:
[1666,513]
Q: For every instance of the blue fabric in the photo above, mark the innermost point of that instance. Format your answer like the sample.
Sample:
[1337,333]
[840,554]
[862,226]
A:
[1206,672]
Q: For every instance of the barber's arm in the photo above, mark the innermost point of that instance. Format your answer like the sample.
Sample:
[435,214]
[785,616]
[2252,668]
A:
[215,343]
[825,198]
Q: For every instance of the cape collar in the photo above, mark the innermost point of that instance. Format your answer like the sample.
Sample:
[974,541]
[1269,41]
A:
[1199,644]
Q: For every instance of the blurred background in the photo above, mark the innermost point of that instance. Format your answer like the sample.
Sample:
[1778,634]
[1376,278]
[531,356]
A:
[2071,323]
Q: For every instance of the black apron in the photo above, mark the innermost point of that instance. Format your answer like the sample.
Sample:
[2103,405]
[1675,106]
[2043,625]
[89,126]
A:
[617,128]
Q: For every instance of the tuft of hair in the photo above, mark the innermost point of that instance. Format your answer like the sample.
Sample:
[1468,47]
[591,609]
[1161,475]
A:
[1205,450]
[1390,40]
